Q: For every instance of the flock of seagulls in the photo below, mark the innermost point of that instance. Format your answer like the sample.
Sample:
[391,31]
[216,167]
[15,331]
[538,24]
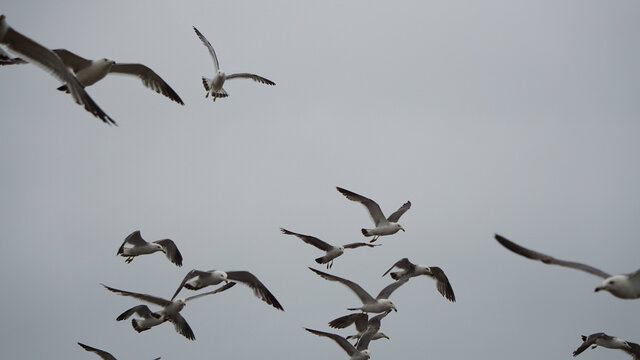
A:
[76,73]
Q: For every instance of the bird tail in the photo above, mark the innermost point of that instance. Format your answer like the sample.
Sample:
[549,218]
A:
[221,94]
[353,309]
[136,326]
[192,287]
[395,275]
[365,232]
[64,88]
[320,260]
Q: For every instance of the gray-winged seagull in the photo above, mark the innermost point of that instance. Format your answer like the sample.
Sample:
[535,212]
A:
[214,86]
[380,304]
[89,72]
[362,322]
[610,342]
[411,270]
[214,277]
[170,312]
[142,247]
[384,226]
[49,61]
[332,252]
[103,354]
[623,286]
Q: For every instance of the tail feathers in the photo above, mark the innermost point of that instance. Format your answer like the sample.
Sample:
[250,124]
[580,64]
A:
[320,260]
[136,327]
[221,94]
[64,88]
[365,232]
[193,287]
[353,309]
[395,275]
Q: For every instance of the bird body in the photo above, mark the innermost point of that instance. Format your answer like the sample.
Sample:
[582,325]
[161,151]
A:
[142,247]
[96,71]
[410,270]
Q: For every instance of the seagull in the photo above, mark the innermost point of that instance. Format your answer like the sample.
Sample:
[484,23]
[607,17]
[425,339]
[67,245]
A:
[362,322]
[141,247]
[214,277]
[89,72]
[170,312]
[610,342]
[6,59]
[332,251]
[214,86]
[623,286]
[380,304]
[410,270]
[50,62]
[384,226]
[103,354]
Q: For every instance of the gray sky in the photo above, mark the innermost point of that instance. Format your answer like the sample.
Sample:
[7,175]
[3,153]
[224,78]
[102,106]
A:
[519,118]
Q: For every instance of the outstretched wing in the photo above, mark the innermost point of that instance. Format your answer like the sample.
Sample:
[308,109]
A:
[190,275]
[344,343]
[403,263]
[442,283]
[359,244]
[374,209]
[141,310]
[360,319]
[171,250]
[220,289]
[386,292]
[149,78]
[547,259]
[73,61]
[103,354]
[309,240]
[253,77]
[396,215]
[181,326]
[143,297]
[357,289]
[587,341]
[134,239]
[206,43]
[256,285]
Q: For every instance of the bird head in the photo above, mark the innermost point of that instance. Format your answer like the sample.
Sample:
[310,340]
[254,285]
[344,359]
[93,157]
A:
[366,353]
[221,276]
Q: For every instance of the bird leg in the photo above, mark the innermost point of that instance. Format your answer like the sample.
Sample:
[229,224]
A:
[129,260]
[374,238]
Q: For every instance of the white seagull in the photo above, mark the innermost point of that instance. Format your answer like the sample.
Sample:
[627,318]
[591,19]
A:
[142,247]
[214,86]
[362,322]
[215,277]
[380,304]
[384,226]
[610,342]
[103,354]
[49,61]
[410,270]
[170,312]
[623,286]
[332,252]
[89,72]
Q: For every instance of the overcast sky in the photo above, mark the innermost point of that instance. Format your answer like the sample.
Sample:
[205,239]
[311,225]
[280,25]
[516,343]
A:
[510,117]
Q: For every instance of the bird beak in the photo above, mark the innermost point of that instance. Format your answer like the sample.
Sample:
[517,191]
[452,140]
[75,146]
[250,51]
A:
[402,229]
[598,289]
[394,309]
[386,337]
[226,281]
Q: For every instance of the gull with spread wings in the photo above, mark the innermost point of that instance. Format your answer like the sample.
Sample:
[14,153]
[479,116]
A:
[610,342]
[410,270]
[103,354]
[142,247]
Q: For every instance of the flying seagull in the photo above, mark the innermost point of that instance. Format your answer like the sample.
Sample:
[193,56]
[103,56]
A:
[141,247]
[49,61]
[6,59]
[623,286]
[410,270]
[89,72]
[362,322]
[384,226]
[214,86]
[214,277]
[610,342]
[170,312]
[380,304]
[103,354]
[332,252]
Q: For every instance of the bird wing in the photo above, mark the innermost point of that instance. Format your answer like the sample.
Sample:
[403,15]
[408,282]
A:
[6,59]
[143,297]
[103,354]
[547,259]
[256,285]
[149,78]
[71,60]
[220,289]
[363,295]
[344,343]
[211,51]
[386,292]
[374,209]
[190,275]
[360,319]
[309,240]
[365,339]
[396,215]
[359,244]
[253,77]
[442,283]
[173,254]
[586,342]
[635,276]
[181,326]
[141,310]
[49,61]
[633,351]
[403,263]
